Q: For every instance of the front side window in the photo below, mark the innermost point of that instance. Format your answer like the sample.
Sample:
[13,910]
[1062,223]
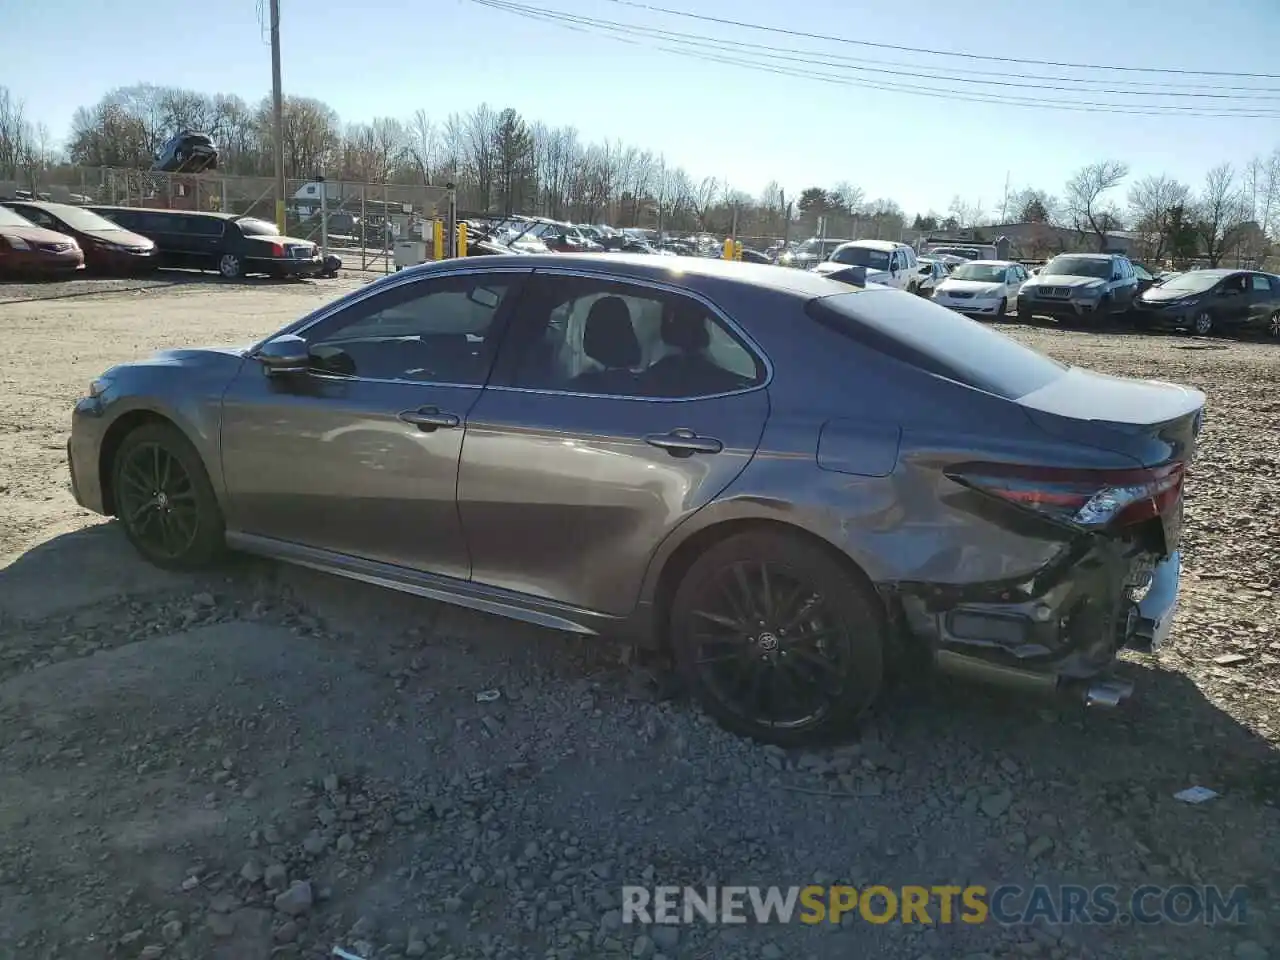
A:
[598,336]
[438,330]
[1260,283]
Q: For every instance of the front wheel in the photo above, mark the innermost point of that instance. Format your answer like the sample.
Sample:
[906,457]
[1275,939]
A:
[777,640]
[1203,323]
[164,500]
[1003,309]
[230,267]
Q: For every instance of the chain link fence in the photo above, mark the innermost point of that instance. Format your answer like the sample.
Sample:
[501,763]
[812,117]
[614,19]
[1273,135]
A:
[360,222]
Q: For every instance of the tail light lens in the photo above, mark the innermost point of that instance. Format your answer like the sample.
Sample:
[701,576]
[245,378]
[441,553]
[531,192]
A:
[277,249]
[1092,499]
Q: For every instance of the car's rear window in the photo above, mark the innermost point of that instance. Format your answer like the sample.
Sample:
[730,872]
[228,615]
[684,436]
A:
[921,333]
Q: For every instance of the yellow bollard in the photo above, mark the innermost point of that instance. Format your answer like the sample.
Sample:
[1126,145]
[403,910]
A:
[737,250]
[728,248]
[437,240]
[462,238]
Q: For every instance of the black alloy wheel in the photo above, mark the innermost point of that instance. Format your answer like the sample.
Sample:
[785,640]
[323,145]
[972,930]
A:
[164,500]
[778,641]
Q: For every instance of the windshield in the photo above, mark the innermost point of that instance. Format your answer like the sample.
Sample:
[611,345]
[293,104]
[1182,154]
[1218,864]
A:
[79,219]
[1078,267]
[861,257]
[1196,281]
[257,228]
[985,272]
[10,219]
[809,247]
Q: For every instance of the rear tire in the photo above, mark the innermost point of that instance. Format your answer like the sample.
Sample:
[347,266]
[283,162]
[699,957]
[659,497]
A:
[1273,326]
[230,266]
[777,640]
[164,501]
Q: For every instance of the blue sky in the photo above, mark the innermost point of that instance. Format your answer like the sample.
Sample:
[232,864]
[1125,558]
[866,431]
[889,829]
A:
[392,57]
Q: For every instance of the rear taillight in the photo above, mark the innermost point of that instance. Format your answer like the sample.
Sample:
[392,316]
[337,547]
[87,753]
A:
[1086,498]
[277,249]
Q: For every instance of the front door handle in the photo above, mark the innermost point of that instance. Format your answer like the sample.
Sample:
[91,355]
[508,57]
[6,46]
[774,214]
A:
[684,443]
[428,419]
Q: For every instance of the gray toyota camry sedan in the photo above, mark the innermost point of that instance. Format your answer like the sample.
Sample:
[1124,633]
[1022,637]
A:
[792,484]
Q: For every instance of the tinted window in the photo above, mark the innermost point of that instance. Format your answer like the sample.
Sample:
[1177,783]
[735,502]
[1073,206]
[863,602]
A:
[1260,283]
[126,218]
[40,218]
[925,335]
[439,331]
[200,226]
[587,335]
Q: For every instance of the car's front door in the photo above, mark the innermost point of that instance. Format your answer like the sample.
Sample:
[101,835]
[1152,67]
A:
[360,454]
[615,412]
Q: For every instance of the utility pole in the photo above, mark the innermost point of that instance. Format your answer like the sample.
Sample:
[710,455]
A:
[277,105]
[1004,207]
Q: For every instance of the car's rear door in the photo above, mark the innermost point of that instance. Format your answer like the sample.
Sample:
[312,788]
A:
[595,439]
[360,455]
[1262,301]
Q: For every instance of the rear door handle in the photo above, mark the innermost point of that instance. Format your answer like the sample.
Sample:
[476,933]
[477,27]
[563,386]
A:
[428,419]
[683,443]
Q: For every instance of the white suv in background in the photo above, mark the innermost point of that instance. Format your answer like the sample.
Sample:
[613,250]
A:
[886,262]
[982,287]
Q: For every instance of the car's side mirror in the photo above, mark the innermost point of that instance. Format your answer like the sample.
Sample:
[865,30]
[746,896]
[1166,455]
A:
[285,355]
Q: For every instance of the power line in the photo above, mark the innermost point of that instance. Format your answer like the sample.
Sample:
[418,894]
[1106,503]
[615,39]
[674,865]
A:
[651,8]
[848,63]
[627,33]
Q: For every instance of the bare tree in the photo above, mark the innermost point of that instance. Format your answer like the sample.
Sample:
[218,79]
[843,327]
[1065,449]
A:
[15,132]
[1220,212]
[424,142]
[1087,204]
[702,198]
[1152,202]
[480,134]
[967,215]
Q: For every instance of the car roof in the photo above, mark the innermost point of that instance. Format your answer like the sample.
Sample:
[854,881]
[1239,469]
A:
[188,213]
[886,245]
[995,263]
[1093,256]
[673,270]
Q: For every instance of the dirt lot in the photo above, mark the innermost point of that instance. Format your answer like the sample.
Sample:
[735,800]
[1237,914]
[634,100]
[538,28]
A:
[272,761]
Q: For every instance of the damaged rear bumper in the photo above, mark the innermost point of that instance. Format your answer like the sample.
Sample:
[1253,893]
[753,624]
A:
[1059,639]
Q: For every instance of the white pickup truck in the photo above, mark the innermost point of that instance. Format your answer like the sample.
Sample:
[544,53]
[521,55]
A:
[886,262]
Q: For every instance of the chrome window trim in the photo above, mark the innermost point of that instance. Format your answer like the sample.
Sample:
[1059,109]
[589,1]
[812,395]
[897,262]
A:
[753,346]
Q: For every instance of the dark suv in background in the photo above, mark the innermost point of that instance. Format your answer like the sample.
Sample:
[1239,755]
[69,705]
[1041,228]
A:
[1086,288]
[232,245]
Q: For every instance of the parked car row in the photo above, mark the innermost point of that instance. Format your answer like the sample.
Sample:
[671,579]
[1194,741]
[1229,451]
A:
[57,237]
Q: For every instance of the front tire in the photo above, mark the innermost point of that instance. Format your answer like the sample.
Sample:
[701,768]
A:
[1202,325]
[1003,309]
[777,640]
[164,500]
[230,266]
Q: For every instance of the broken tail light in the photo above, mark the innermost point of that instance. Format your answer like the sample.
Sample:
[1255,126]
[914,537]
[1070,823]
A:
[1093,499]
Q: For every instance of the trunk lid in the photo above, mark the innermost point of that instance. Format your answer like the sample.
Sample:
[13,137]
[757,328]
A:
[1155,424]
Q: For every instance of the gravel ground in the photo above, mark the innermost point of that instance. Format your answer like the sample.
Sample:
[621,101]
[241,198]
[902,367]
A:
[271,762]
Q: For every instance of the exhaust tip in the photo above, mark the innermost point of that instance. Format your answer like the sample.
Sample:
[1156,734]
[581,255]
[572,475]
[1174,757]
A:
[1109,693]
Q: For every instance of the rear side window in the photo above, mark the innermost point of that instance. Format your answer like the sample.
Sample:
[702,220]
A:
[934,339]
